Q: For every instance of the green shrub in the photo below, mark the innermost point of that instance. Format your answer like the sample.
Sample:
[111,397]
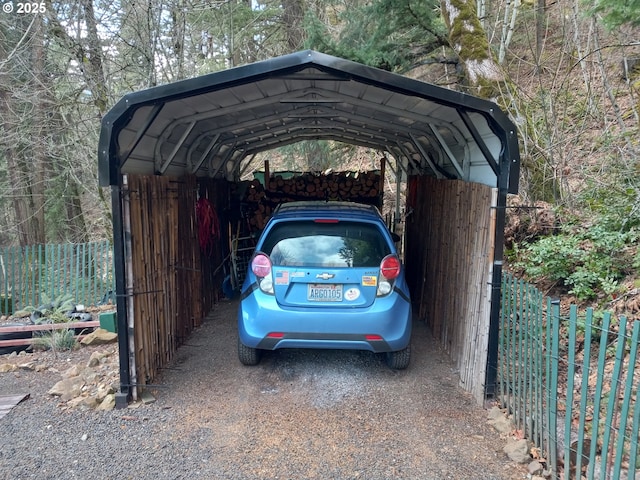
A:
[584,261]
[552,257]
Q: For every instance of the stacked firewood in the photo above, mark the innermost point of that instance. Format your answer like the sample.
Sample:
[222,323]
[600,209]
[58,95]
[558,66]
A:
[362,187]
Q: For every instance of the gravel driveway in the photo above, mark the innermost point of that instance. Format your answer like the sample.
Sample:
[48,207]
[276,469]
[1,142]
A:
[298,415]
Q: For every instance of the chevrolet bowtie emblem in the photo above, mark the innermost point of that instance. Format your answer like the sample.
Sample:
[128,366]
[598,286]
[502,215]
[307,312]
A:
[325,276]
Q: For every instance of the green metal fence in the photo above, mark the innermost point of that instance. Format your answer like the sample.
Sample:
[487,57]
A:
[31,275]
[571,382]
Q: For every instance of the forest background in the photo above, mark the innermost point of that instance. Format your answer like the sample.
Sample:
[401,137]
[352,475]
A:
[566,71]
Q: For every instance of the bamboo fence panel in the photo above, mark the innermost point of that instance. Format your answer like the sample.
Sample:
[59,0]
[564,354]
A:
[450,235]
[188,260]
[142,244]
[163,312]
[174,283]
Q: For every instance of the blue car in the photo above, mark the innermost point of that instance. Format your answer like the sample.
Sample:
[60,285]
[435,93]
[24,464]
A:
[325,275]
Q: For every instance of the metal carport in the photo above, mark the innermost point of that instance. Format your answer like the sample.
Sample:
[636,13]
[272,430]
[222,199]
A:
[207,126]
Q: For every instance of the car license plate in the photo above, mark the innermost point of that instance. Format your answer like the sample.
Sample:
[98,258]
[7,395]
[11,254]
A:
[322,292]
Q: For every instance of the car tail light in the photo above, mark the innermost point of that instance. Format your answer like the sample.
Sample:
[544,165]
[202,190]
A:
[261,265]
[389,271]
[390,267]
[261,268]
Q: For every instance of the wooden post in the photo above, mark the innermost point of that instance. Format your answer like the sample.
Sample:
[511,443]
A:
[383,166]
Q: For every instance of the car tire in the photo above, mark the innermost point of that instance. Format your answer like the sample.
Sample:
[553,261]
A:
[247,355]
[400,359]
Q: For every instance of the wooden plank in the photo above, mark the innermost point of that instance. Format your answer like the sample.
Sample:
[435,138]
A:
[7,402]
[49,326]
[17,342]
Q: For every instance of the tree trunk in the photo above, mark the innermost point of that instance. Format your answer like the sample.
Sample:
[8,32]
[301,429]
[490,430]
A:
[75,215]
[292,17]
[21,117]
[39,137]
[540,22]
[508,27]
[94,71]
[8,123]
[178,37]
[89,55]
[468,39]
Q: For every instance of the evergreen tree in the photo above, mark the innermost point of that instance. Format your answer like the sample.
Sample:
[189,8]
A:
[618,12]
[388,34]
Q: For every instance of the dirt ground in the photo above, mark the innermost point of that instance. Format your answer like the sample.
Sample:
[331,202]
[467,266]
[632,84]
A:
[331,414]
[300,414]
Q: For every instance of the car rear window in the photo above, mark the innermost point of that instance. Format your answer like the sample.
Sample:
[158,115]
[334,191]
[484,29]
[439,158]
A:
[311,244]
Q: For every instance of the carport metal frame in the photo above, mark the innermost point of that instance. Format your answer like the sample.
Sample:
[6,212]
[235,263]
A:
[207,126]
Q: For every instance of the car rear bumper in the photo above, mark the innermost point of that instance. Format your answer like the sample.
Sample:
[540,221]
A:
[264,324]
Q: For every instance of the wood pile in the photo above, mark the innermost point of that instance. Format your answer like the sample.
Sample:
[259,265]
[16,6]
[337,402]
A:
[361,187]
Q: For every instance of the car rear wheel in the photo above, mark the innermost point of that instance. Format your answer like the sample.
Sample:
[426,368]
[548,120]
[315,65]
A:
[247,355]
[399,360]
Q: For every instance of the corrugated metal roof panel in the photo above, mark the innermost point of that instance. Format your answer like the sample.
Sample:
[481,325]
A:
[207,125]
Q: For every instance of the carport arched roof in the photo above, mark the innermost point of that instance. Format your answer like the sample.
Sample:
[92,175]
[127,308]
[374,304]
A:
[207,125]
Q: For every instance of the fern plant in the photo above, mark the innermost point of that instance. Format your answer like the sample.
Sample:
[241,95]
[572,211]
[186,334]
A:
[52,310]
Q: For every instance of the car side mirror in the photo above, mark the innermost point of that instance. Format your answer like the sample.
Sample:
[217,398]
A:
[395,237]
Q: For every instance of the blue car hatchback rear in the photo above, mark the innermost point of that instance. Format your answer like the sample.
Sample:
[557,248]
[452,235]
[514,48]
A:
[325,275]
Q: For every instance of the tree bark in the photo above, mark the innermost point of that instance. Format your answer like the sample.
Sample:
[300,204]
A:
[39,137]
[8,145]
[481,73]
[178,37]
[94,73]
[540,22]
[88,55]
[21,112]
[292,17]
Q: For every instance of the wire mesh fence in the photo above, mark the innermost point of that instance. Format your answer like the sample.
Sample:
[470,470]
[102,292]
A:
[570,380]
[37,274]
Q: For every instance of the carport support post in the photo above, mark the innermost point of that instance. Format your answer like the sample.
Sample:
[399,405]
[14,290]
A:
[493,342]
[494,332]
[122,397]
